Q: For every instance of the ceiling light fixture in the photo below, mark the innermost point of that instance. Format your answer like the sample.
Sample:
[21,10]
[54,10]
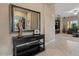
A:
[74,11]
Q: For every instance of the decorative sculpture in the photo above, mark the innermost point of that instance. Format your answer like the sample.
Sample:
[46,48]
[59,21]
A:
[20,27]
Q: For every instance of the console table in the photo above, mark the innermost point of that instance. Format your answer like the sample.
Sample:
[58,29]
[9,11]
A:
[28,45]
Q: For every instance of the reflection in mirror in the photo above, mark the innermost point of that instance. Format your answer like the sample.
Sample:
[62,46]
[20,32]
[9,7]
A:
[31,19]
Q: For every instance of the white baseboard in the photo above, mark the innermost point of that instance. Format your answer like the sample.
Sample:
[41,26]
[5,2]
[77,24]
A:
[47,43]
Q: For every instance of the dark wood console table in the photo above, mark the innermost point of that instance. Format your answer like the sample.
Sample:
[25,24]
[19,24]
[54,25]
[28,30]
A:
[28,45]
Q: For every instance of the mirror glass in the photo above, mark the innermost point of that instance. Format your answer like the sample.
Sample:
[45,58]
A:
[30,18]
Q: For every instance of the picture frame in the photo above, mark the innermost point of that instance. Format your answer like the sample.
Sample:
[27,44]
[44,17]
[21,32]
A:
[28,25]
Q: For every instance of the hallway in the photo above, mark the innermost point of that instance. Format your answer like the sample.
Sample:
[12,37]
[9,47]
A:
[65,45]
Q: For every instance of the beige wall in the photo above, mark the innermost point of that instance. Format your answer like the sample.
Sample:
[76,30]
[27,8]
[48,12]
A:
[47,24]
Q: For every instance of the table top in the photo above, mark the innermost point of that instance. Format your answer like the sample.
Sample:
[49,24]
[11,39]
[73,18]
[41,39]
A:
[26,39]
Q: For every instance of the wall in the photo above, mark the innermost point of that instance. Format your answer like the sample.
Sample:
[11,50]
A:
[47,25]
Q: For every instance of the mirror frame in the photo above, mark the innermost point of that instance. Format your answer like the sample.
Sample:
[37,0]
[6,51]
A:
[11,6]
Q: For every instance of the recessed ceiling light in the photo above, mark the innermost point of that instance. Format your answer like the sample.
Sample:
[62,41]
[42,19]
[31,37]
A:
[75,13]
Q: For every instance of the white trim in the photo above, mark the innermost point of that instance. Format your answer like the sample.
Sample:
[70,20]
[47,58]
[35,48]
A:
[47,43]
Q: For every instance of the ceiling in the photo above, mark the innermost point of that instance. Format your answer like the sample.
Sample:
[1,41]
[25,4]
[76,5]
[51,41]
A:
[63,9]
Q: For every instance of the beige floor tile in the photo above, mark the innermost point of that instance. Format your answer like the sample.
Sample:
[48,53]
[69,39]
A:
[64,45]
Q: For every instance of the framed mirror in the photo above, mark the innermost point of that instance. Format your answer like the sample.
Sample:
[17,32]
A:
[30,18]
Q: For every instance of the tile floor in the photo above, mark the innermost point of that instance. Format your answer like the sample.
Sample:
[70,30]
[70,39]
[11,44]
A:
[64,45]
